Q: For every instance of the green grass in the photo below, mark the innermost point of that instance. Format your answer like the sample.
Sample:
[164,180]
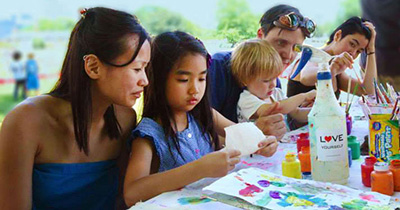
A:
[7,102]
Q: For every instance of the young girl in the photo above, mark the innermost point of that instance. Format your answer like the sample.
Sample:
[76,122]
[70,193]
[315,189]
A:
[174,143]
[60,150]
[256,65]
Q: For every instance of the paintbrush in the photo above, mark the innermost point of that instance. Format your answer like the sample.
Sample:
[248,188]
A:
[352,97]
[394,108]
[384,93]
[376,92]
[359,80]
[348,93]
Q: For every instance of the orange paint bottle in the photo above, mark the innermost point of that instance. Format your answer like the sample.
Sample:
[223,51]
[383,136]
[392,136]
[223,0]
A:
[305,159]
[382,179]
[395,168]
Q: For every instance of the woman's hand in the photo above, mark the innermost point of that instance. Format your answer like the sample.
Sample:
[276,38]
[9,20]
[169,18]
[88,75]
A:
[219,163]
[340,63]
[267,147]
[371,44]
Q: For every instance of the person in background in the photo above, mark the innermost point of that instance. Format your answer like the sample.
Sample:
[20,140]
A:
[61,150]
[32,75]
[385,15]
[284,27]
[346,42]
[176,142]
[18,69]
[256,65]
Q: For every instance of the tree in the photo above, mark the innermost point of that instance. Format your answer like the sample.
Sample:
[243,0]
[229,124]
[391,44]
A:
[157,20]
[235,20]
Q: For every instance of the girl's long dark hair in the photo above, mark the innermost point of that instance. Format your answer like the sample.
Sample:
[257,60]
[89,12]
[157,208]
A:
[103,32]
[352,25]
[166,50]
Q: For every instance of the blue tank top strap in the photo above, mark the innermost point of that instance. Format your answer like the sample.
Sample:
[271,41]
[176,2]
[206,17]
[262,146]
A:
[75,185]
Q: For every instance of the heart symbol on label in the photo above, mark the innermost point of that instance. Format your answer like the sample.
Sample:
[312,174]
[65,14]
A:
[328,138]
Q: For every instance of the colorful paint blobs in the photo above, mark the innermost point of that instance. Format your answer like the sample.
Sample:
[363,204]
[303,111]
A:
[336,208]
[278,184]
[239,178]
[264,200]
[271,178]
[193,200]
[293,199]
[355,204]
[264,183]
[249,190]
[274,194]
[369,198]
[261,165]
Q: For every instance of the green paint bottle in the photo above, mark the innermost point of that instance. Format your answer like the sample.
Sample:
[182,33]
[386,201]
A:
[355,147]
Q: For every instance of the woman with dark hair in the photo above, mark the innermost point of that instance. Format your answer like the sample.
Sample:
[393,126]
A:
[348,40]
[176,142]
[65,156]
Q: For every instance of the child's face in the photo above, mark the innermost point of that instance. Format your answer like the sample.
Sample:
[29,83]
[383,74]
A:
[186,83]
[262,87]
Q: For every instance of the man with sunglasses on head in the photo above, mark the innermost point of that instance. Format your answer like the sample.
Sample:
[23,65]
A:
[284,28]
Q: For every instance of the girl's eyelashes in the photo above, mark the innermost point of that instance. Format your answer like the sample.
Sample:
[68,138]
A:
[182,80]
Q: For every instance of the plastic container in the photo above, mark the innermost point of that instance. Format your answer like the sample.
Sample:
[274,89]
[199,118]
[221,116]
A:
[305,159]
[355,147]
[395,169]
[302,141]
[291,166]
[382,179]
[349,156]
[366,168]
[328,134]
[306,175]
[349,124]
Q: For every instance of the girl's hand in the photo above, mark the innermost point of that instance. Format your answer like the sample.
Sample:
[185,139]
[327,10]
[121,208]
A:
[371,44]
[219,163]
[340,63]
[310,95]
[267,147]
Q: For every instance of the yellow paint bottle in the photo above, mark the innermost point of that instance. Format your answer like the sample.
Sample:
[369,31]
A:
[291,166]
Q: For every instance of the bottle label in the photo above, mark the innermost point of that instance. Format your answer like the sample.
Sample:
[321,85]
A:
[331,145]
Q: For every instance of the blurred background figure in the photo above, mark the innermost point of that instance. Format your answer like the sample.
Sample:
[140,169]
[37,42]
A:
[32,76]
[18,69]
[385,15]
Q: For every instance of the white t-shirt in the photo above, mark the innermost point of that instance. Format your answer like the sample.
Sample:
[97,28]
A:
[249,103]
[18,69]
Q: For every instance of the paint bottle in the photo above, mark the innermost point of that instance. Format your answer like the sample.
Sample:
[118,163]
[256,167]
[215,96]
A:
[355,147]
[291,166]
[349,156]
[305,159]
[382,179]
[306,175]
[328,134]
[302,141]
[366,168]
[395,169]
[349,123]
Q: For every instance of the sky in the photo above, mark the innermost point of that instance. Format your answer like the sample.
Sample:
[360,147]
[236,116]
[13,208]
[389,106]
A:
[201,12]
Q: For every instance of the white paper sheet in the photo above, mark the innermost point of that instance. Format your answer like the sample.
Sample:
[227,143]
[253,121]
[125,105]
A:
[244,137]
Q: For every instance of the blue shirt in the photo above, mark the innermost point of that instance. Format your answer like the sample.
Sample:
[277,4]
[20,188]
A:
[75,185]
[193,143]
[225,90]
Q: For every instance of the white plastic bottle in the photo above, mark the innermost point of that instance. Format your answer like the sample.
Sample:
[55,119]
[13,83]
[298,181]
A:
[328,134]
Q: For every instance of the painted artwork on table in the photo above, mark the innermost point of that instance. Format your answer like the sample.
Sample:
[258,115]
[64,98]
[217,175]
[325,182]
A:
[264,189]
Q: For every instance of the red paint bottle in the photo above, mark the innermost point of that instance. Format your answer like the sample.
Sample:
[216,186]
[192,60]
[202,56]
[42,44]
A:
[366,168]
[302,141]
[382,179]
[305,159]
[395,168]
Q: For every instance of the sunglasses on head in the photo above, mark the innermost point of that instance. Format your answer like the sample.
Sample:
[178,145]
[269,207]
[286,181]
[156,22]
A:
[292,21]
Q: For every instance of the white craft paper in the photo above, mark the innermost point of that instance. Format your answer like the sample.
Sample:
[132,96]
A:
[244,137]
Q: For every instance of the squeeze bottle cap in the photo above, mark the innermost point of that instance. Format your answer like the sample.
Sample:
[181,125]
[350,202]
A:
[290,156]
[381,166]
